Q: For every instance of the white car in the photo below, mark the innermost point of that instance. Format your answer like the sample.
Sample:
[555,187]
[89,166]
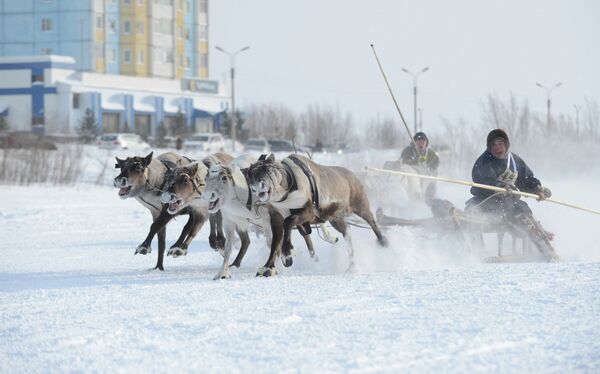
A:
[122,141]
[205,142]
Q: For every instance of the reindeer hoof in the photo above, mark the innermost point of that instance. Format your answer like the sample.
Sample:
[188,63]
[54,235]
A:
[236,264]
[383,242]
[176,252]
[287,257]
[224,275]
[287,261]
[266,272]
[159,267]
[143,250]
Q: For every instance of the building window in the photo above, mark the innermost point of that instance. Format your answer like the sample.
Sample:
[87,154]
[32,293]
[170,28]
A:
[46,51]
[141,2]
[202,32]
[127,56]
[112,55]
[112,25]
[180,60]
[75,100]
[37,78]
[46,24]
[187,6]
[187,34]
[140,57]
[203,6]
[140,28]
[204,60]
[188,61]
[100,21]
[127,27]
[126,1]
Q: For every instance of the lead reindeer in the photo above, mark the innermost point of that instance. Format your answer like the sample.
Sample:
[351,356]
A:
[227,191]
[311,193]
[143,178]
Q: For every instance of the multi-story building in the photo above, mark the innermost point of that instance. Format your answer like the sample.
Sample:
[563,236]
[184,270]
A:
[48,95]
[146,38]
[136,64]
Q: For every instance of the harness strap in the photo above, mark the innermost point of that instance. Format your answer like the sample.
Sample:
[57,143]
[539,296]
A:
[249,201]
[311,179]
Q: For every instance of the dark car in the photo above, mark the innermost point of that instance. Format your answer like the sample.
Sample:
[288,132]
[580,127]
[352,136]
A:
[279,145]
[26,140]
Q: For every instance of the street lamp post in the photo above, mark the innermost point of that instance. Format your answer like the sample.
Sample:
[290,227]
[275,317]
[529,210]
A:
[577,109]
[420,119]
[548,100]
[415,75]
[233,118]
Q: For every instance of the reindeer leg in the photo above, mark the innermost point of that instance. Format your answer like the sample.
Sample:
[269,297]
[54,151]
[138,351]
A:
[305,230]
[245,238]
[159,223]
[276,235]
[224,271]
[341,226]
[199,220]
[162,233]
[179,249]
[216,238]
[364,211]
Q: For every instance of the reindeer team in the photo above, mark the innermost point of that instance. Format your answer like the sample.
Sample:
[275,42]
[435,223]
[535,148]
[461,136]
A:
[234,194]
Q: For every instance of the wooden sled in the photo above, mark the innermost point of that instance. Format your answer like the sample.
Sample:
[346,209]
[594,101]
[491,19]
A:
[449,220]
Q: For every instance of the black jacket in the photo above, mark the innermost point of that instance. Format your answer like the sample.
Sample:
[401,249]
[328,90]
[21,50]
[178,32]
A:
[488,168]
[430,160]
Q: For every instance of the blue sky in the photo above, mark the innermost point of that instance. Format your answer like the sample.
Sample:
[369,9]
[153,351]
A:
[317,51]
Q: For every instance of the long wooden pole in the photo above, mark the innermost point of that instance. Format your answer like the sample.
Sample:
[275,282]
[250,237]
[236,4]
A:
[479,185]
[395,102]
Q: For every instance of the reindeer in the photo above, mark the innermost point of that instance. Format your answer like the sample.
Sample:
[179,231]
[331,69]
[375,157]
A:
[227,190]
[183,189]
[142,178]
[311,193]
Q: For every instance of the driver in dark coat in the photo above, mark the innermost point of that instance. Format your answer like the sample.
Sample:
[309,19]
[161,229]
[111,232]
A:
[498,167]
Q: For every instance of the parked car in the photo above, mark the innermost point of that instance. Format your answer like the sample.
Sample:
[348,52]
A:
[280,145]
[257,145]
[205,142]
[122,141]
[26,140]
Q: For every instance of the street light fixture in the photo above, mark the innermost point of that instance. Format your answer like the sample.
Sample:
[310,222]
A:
[548,100]
[415,75]
[233,118]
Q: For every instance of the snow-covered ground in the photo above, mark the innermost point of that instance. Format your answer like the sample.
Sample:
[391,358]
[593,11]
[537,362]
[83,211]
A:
[74,298]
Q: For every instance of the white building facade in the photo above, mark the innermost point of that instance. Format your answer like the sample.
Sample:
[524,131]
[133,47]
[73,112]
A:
[47,95]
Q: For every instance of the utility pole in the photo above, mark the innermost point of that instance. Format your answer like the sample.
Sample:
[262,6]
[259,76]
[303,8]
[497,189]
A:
[577,109]
[415,76]
[233,116]
[548,101]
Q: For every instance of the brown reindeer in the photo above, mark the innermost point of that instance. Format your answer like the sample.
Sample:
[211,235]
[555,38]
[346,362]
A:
[227,191]
[142,178]
[312,193]
[183,189]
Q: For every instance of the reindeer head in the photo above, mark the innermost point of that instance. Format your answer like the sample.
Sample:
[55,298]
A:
[183,185]
[267,179]
[219,187]
[131,182]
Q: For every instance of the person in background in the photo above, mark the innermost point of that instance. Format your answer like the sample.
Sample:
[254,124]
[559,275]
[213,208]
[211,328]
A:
[498,167]
[423,160]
